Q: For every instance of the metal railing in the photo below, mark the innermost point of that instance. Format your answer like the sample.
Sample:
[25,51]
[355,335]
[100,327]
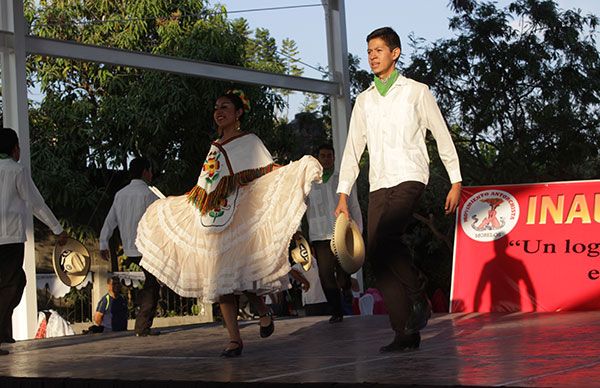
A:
[76,305]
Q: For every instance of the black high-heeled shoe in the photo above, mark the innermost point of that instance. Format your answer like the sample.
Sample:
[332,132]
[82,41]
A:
[235,352]
[266,331]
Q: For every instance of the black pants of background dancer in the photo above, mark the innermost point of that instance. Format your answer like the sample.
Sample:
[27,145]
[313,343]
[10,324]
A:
[332,276]
[147,300]
[400,282]
[12,284]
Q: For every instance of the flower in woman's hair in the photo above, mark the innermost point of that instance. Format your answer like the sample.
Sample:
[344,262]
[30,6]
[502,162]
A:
[242,96]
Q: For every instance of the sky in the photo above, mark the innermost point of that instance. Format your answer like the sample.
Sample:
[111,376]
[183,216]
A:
[426,19]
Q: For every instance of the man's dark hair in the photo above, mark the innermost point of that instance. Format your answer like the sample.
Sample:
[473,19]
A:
[388,35]
[137,167]
[8,140]
[113,279]
[326,146]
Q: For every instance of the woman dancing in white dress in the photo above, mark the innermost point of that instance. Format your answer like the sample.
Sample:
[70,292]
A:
[230,233]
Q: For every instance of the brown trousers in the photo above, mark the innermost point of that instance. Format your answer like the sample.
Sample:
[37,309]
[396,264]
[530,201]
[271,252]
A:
[147,300]
[400,282]
[332,276]
[12,284]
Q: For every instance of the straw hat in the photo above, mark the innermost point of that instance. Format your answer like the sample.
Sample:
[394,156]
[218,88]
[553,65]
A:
[71,262]
[347,244]
[301,254]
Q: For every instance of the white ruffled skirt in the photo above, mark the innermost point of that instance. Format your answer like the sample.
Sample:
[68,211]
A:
[249,254]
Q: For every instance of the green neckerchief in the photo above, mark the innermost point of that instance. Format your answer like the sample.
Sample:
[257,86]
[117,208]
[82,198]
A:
[326,175]
[4,156]
[383,87]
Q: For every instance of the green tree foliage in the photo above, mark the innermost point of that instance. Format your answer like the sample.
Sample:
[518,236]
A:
[520,85]
[290,53]
[94,117]
[310,103]
[261,53]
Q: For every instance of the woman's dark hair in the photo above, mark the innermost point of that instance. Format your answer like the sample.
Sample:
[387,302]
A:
[8,140]
[388,35]
[236,101]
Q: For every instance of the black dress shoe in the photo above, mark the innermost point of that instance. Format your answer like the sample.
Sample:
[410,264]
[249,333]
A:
[7,340]
[420,314]
[3,352]
[403,343]
[266,331]
[336,319]
[147,333]
[235,352]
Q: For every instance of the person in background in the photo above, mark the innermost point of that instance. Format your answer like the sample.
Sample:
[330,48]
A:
[313,298]
[16,194]
[392,117]
[322,202]
[127,209]
[111,313]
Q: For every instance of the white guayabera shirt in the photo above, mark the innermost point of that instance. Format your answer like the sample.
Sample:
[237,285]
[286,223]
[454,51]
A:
[127,209]
[322,202]
[17,191]
[393,127]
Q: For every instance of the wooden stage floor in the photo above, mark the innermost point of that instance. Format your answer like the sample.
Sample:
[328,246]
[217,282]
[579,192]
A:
[522,349]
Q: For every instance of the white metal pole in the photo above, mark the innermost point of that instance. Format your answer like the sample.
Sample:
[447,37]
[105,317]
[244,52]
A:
[15,116]
[337,54]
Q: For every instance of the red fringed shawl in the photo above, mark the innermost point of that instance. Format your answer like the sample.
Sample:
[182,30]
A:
[227,185]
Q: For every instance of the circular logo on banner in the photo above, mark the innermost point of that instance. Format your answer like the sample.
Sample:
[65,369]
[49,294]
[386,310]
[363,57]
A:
[489,215]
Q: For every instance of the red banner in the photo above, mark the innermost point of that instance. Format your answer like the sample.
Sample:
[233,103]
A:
[533,247]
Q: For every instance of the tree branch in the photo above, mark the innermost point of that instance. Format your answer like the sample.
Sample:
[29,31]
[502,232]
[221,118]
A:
[430,222]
